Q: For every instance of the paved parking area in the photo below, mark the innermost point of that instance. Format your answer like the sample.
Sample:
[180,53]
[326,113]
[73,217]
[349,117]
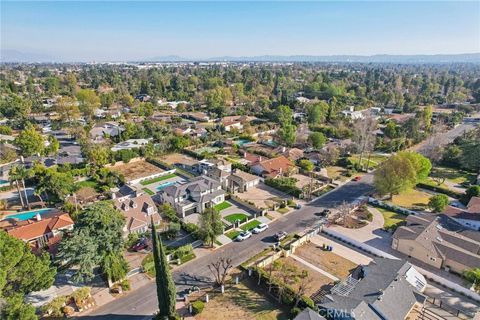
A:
[343,251]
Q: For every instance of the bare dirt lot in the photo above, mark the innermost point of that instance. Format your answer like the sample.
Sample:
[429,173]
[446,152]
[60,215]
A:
[136,169]
[326,260]
[178,159]
[262,195]
[317,280]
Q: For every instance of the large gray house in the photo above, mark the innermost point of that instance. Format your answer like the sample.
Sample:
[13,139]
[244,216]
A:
[194,196]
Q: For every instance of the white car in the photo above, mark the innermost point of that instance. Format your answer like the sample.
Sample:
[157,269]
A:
[243,236]
[260,228]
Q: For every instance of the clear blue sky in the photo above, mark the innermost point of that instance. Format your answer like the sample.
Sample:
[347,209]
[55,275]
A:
[132,30]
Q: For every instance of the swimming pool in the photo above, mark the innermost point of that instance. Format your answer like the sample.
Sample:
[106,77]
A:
[242,142]
[163,185]
[28,214]
[4,182]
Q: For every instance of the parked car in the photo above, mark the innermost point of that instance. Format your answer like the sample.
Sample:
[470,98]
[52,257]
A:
[243,236]
[142,244]
[323,213]
[298,206]
[357,178]
[260,228]
[279,236]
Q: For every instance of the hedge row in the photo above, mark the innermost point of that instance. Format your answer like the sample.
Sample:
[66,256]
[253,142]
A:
[448,192]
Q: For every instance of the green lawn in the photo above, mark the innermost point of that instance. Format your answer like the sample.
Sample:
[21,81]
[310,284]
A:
[336,173]
[454,175]
[86,183]
[283,210]
[250,225]
[157,179]
[148,191]
[222,206]
[235,216]
[411,199]
[232,234]
[392,219]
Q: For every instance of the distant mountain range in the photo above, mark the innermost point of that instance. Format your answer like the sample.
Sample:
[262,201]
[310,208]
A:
[8,55]
[379,58]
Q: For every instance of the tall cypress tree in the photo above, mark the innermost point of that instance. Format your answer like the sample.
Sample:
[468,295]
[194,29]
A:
[166,293]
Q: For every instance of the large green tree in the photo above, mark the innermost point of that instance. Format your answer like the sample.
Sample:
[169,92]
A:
[88,101]
[98,234]
[211,226]
[29,141]
[394,176]
[420,163]
[317,139]
[166,293]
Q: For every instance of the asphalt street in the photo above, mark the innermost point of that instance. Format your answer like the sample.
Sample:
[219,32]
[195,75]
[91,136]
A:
[142,303]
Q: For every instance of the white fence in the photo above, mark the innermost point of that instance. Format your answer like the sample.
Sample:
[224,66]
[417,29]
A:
[357,244]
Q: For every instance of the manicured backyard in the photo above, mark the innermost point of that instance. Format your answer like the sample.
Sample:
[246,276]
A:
[157,179]
[222,206]
[148,191]
[235,216]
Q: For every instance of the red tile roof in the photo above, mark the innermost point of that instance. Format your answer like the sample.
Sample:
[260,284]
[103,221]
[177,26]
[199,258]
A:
[36,229]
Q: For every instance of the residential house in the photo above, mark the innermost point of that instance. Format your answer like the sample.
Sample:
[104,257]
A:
[351,114]
[438,241]
[468,217]
[198,116]
[308,314]
[241,181]
[218,175]
[139,212]
[130,144]
[194,196]
[230,124]
[291,153]
[100,131]
[203,165]
[124,192]
[41,232]
[384,289]
[273,168]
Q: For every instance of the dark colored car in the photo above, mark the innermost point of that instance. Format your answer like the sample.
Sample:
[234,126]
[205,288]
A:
[142,244]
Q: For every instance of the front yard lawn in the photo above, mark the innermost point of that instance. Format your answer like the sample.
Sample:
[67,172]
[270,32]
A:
[336,173]
[86,183]
[222,206]
[250,225]
[232,234]
[157,179]
[235,216]
[392,219]
[283,210]
[412,199]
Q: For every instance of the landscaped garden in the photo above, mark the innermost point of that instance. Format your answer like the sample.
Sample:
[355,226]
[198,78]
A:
[232,234]
[235,216]
[392,219]
[222,206]
[157,179]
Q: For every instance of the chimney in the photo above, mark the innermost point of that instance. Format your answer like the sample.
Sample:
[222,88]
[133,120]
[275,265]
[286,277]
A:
[284,149]
[38,217]
[260,159]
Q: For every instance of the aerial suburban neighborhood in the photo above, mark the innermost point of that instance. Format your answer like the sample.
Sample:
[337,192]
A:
[269,187]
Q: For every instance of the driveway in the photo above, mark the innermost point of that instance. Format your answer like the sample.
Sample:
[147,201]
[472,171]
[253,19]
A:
[371,234]
[141,304]
[262,195]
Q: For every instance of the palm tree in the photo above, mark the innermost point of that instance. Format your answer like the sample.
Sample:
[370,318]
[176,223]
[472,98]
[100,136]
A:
[14,176]
[24,173]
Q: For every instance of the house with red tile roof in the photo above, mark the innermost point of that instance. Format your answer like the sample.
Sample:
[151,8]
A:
[468,217]
[42,232]
[275,167]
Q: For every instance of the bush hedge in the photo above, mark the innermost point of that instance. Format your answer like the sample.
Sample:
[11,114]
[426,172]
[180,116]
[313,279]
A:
[197,307]
[448,192]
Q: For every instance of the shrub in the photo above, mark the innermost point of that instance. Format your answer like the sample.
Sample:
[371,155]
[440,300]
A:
[132,239]
[173,229]
[191,228]
[307,302]
[284,184]
[80,295]
[197,307]
[183,251]
[55,307]
[295,311]
[125,284]
[438,202]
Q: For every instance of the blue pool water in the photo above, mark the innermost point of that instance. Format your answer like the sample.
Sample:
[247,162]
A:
[163,185]
[29,214]
[242,142]
[2,182]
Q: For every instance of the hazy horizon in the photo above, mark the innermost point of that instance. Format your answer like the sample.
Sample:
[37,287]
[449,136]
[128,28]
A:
[120,31]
